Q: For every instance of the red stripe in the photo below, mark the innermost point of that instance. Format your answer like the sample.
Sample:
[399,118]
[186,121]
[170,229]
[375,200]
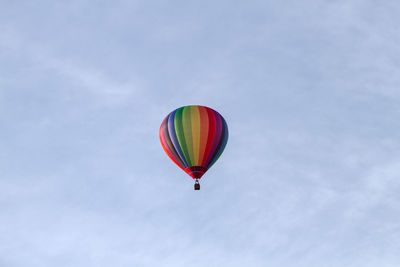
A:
[216,139]
[210,138]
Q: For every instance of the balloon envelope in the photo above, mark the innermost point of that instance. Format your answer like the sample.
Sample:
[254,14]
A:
[194,137]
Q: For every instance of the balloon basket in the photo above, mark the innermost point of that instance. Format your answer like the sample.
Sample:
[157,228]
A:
[196,185]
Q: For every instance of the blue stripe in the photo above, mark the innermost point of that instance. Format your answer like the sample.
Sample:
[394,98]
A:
[174,139]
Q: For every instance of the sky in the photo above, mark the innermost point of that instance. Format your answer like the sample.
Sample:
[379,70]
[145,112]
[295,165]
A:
[310,91]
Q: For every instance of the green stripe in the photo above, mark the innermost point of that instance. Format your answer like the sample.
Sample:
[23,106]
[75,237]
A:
[187,129]
[180,134]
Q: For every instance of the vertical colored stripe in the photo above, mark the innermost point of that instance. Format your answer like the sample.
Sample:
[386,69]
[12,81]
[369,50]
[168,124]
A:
[217,136]
[166,148]
[195,120]
[221,145]
[180,134]
[204,126]
[187,133]
[174,139]
[170,146]
[210,136]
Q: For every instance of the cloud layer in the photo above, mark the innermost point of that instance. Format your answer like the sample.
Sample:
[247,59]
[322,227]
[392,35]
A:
[310,92]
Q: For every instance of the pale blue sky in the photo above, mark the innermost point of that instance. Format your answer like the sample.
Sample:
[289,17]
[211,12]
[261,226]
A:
[310,176]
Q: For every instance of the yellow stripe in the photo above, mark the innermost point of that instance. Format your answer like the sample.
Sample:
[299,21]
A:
[203,133]
[187,129]
[195,119]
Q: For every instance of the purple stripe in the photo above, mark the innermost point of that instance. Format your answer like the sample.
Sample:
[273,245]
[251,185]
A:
[174,139]
[169,144]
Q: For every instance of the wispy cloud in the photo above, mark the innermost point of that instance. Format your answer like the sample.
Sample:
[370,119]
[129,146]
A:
[90,79]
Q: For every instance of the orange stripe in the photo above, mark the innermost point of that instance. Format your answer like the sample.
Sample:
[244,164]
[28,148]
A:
[187,132]
[195,120]
[203,133]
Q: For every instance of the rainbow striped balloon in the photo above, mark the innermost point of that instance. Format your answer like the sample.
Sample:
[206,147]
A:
[194,137]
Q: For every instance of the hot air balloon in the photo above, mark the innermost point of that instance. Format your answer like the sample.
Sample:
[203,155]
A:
[194,137]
